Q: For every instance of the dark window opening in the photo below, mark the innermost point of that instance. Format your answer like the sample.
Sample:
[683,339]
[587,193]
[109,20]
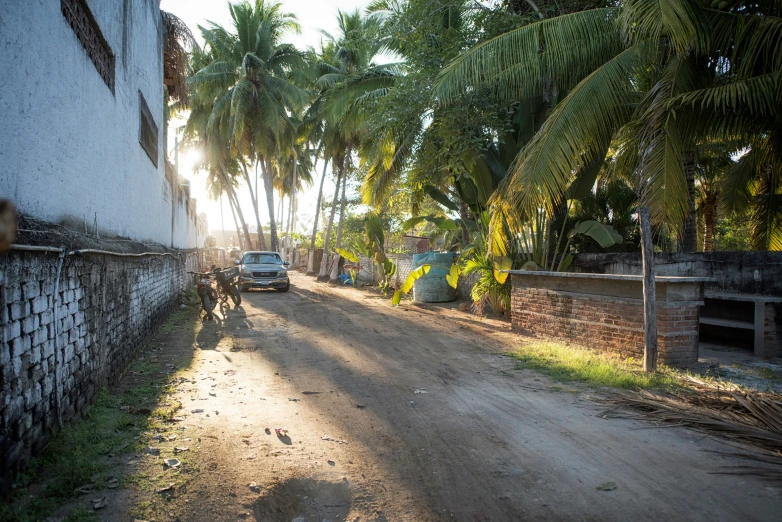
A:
[80,18]
[147,135]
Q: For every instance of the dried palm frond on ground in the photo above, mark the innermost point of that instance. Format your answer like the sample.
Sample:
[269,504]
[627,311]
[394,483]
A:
[723,410]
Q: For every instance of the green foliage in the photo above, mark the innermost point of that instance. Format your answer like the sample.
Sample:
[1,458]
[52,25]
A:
[645,81]
[612,203]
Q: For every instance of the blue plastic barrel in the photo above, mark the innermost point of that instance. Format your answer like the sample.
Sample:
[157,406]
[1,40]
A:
[432,286]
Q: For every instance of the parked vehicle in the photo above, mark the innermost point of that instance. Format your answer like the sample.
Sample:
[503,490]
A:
[206,292]
[264,270]
[227,284]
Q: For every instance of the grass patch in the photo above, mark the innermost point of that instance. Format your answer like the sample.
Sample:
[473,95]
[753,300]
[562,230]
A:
[576,364]
[91,450]
[77,455]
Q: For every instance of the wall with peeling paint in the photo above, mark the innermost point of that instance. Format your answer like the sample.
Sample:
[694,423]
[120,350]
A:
[70,149]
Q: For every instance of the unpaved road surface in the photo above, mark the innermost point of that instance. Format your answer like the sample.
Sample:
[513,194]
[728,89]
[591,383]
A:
[409,414]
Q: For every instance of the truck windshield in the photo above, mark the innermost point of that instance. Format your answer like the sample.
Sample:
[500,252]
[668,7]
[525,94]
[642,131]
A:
[261,259]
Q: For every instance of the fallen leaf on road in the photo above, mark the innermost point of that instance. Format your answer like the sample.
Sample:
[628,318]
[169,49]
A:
[607,486]
[332,439]
[87,488]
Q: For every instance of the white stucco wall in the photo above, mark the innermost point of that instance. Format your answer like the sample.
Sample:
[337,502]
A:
[69,148]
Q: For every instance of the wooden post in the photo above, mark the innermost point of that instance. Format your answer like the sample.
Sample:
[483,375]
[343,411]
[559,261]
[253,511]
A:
[650,295]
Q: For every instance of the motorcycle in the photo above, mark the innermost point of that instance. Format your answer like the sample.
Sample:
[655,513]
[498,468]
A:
[227,284]
[207,292]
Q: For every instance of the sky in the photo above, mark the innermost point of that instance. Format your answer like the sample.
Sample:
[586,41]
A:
[313,15]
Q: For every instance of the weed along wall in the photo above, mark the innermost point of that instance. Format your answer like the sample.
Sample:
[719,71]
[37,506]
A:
[62,342]
[606,312]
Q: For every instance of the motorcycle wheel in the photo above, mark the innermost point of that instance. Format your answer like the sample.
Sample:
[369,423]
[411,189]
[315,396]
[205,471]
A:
[208,306]
[236,297]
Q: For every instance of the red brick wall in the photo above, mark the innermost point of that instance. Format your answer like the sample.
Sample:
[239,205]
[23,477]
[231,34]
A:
[613,324]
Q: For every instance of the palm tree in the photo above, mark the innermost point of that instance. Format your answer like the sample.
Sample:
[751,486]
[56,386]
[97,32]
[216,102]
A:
[250,80]
[203,133]
[347,78]
[650,78]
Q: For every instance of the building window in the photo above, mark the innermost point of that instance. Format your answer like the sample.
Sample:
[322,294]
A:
[147,134]
[78,15]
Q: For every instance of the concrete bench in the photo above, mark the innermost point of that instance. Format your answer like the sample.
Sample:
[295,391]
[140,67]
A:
[745,312]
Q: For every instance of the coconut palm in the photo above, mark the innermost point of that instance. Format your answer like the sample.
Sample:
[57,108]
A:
[651,78]
[250,77]
[203,133]
[347,78]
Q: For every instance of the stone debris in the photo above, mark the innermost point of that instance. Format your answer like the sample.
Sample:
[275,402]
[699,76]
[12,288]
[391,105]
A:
[172,463]
[165,489]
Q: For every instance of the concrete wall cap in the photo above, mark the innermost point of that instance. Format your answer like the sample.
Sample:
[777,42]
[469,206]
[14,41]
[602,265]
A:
[615,277]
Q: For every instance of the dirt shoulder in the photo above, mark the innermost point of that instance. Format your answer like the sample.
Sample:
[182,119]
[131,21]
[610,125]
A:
[394,414]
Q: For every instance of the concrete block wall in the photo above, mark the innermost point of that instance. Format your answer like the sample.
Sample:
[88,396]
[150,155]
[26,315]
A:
[53,364]
[772,330]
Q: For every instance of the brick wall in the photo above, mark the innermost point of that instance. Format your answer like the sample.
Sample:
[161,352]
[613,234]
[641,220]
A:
[613,321]
[107,307]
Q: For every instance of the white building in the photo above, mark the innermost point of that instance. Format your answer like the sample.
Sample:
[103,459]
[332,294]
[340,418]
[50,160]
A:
[82,124]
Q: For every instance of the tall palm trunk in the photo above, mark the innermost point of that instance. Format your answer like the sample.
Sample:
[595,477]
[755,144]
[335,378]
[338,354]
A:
[335,267]
[311,256]
[709,218]
[280,209]
[254,199]
[327,239]
[232,195]
[689,234]
[236,224]
[292,209]
[268,187]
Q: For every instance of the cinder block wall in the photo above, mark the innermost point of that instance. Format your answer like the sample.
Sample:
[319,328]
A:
[107,308]
[614,321]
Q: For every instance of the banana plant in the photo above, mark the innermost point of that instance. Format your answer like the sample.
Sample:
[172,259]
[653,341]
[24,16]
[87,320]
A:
[372,246]
[537,248]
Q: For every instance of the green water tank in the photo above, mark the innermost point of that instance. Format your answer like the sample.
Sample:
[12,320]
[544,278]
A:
[432,287]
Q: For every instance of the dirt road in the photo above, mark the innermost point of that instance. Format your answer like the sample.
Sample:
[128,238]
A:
[412,414]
